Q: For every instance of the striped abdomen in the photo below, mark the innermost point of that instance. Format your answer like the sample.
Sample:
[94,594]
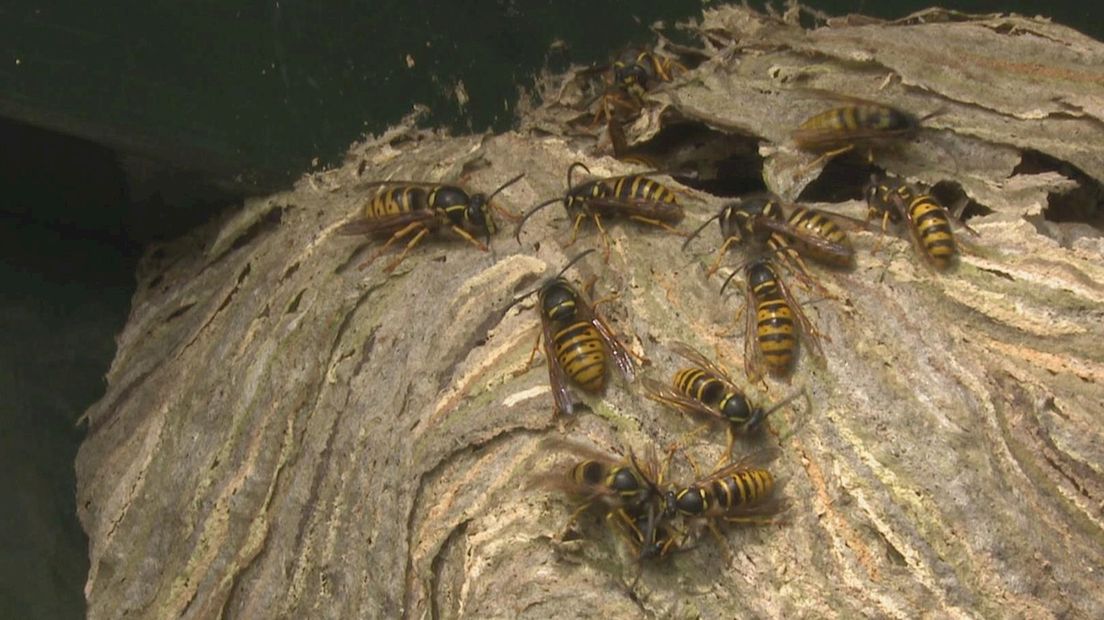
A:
[700,386]
[582,355]
[723,495]
[775,331]
[933,228]
[742,488]
[707,389]
[398,199]
[820,225]
[859,118]
[635,187]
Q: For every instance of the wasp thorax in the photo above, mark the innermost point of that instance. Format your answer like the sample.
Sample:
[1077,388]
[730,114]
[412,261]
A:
[558,301]
[760,273]
[691,501]
[625,481]
[736,408]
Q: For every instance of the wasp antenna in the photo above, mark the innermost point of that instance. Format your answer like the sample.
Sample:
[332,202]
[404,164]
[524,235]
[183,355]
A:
[782,403]
[740,267]
[727,280]
[700,228]
[522,297]
[517,300]
[571,169]
[931,115]
[573,261]
[505,185]
[517,229]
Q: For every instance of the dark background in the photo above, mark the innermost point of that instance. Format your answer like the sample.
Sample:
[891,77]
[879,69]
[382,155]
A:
[128,123]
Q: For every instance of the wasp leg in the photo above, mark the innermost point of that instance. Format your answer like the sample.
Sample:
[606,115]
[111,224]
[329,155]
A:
[532,355]
[399,234]
[506,213]
[825,157]
[726,456]
[754,520]
[573,518]
[726,551]
[409,246]
[575,229]
[470,239]
[602,233]
[720,255]
[881,237]
[659,224]
[609,101]
[956,215]
[800,269]
[604,300]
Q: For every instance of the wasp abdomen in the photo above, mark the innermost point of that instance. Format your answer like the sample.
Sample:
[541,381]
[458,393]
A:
[700,385]
[775,332]
[401,199]
[582,355]
[934,230]
[743,488]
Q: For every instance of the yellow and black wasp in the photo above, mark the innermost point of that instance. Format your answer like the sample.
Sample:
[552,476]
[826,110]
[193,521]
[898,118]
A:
[577,341]
[624,488]
[403,208]
[777,322]
[929,224]
[761,221]
[858,123]
[705,389]
[633,196]
[743,492]
[634,73]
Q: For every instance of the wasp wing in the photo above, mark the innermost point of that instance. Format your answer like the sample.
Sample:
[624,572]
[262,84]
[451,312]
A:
[387,223]
[620,354]
[755,460]
[807,332]
[694,356]
[844,253]
[667,395]
[666,212]
[557,380]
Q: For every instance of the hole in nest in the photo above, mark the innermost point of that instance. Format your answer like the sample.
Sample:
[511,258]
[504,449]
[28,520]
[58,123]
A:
[722,164]
[843,178]
[951,195]
[269,221]
[294,305]
[179,311]
[570,535]
[1080,205]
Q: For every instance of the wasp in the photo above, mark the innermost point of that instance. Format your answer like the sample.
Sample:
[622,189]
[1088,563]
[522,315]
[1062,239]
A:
[403,208]
[634,196]
[577,341]
[928,222]
[735,492]
[740,492]
[761,220]
[704,388]
[626,488]
[855,124]
[774,328]
[634,73]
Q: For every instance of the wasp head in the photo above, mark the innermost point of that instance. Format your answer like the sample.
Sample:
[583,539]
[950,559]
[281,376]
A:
[559,301]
